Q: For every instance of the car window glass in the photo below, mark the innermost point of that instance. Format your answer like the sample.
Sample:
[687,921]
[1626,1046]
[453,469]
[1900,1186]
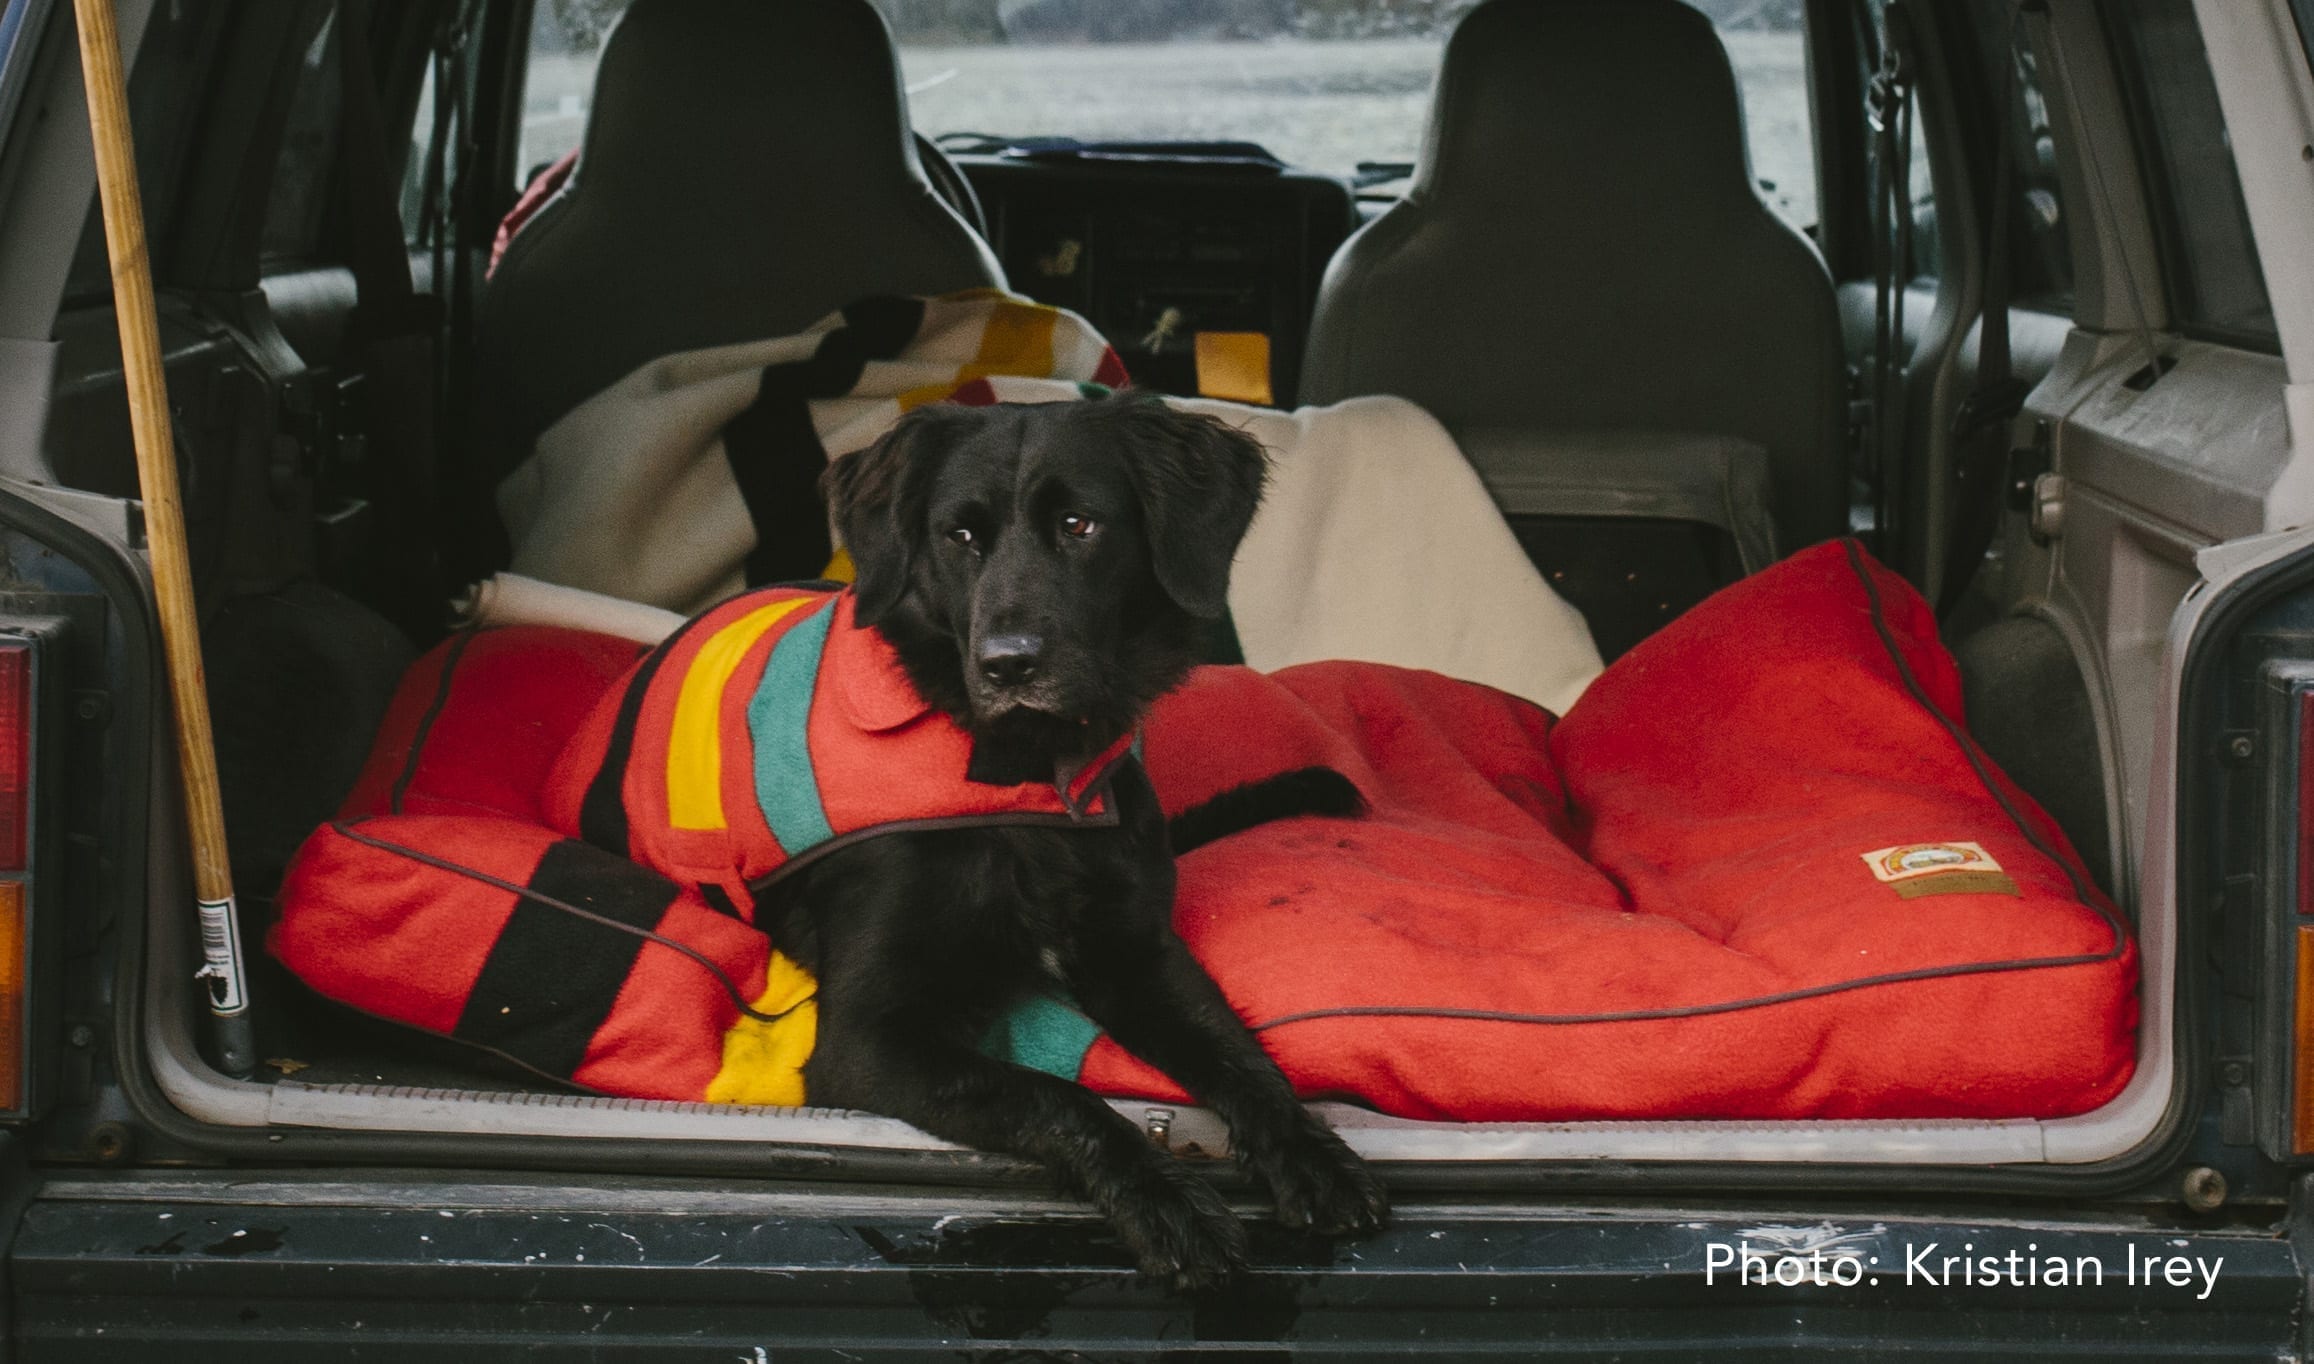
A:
[2040,249]
[566,44]
[2045,274]
[416,206]
[2216,286]
[2008,70]
[1927,241]
[1920,184]
[1327,85]
[1768,45]
[170,68]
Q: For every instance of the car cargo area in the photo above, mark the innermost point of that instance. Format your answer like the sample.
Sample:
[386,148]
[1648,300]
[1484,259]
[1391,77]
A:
[1365,905]
[1579,334]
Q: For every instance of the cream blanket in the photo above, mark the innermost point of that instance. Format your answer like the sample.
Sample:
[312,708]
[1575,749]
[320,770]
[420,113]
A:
[1376,541]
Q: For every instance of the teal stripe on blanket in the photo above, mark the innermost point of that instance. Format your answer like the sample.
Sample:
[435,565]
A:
[1042,1032]
[787,789]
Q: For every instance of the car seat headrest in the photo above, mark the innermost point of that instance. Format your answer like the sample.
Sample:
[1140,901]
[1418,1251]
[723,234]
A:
[1582,250]
[1583,95]
[747,168]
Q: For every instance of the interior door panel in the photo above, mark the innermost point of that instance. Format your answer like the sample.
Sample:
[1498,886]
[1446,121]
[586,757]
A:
[2127,466]
[2149,478]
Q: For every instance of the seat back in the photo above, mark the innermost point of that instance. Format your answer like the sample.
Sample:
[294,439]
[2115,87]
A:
[747,169]
[1582,249]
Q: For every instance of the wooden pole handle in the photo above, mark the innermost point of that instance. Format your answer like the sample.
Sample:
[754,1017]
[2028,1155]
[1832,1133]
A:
[148,395]
[132,284]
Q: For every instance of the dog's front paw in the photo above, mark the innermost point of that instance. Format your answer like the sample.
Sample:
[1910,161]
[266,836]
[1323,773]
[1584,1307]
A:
[1178,1228]
[1321,1185]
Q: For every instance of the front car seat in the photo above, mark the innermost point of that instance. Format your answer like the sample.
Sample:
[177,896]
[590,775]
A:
[1584,286]
[748,167]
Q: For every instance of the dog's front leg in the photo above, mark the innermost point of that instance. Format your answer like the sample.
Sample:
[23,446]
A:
[1176,1225]
[1159,1004]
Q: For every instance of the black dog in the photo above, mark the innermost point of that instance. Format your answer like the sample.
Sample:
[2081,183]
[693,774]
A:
[1043,572]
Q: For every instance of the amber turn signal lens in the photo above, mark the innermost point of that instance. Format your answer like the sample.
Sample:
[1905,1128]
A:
[12,945]
[2302,1055]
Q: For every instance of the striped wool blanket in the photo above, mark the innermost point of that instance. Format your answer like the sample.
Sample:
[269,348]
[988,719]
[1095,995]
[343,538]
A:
[696,477]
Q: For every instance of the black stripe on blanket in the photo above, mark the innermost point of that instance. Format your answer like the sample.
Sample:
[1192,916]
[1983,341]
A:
[551,977]
[775,455]
[603,809]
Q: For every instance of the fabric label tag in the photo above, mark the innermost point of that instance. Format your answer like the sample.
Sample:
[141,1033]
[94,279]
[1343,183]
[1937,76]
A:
[1908,860]
[1960,883]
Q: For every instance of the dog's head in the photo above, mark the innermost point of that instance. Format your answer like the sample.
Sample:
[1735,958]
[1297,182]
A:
[1042,568]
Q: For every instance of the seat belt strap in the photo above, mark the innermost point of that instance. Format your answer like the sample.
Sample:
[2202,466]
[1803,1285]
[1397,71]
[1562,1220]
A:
[1889,108]
[388,303]
[391,341]
[1980,428]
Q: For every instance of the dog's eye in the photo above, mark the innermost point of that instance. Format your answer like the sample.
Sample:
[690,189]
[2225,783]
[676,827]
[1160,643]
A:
[963,535]
[1078,526]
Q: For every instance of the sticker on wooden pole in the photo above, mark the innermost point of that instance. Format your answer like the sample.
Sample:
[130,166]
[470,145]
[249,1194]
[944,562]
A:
[221,955]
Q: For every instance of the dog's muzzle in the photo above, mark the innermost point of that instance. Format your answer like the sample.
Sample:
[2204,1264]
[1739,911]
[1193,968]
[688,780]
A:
[1009,661]
[1011,673]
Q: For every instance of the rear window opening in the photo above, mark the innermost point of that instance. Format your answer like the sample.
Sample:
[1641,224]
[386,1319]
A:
[1336,89]
[300,678]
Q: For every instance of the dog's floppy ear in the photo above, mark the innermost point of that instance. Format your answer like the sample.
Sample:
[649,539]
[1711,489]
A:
[876,502]
[1199,480]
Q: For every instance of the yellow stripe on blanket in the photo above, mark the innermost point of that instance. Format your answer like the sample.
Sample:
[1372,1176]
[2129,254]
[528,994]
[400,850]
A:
[763,1062]
[1016,339]
[694,740]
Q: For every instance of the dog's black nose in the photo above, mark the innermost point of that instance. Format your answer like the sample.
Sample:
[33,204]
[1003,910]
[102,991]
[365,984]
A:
[1009,660]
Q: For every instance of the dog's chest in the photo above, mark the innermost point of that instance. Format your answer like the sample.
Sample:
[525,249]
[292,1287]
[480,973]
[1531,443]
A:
[1048,904]
[960,921]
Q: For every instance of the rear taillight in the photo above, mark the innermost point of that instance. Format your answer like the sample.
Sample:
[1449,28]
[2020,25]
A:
[2301,747]
[2287,738]
[16,722]
[32,657]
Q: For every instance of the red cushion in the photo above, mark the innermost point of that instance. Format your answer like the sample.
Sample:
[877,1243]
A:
[478,721]
[1726,950]
[400,916]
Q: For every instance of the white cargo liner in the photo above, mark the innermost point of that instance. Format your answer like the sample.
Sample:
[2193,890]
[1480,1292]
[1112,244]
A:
[1372,1134]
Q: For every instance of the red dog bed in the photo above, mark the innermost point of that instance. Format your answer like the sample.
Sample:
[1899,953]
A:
[1759,871]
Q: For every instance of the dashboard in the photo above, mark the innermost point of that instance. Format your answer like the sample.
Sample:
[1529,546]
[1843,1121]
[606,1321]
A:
[1202,276]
